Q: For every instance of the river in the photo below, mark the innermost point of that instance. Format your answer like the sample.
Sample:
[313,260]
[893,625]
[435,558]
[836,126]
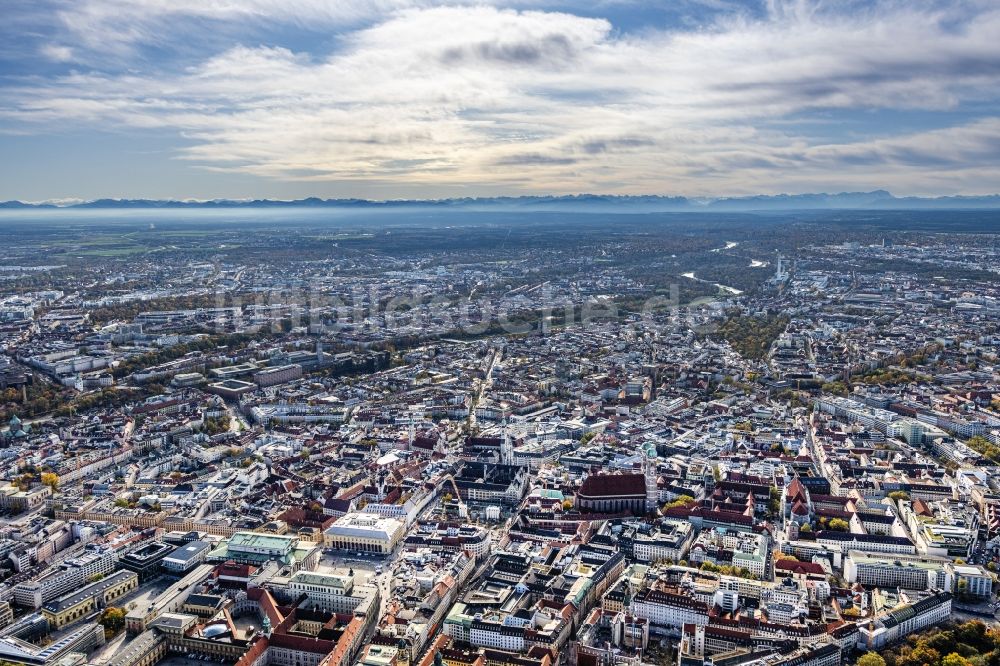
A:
[726,288]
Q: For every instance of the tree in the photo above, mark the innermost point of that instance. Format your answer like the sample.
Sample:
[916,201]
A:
[924,654]
[976,634]
[955,659]
[984,447]
[447,498]
[51,480]
[899,495]
[774,501]
[836,388]
[683,500]
[838,525]
[93,578]
[871,659]
[567,504]
[806,528]
[587,436]
[752,336]
[113,620]
[24,481]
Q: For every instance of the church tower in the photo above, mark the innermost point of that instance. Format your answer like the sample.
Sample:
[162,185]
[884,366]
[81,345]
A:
[506,447]
[403,653]
[649,470]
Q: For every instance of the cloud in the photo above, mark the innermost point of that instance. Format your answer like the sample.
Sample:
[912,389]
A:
[972,145]
[533,159]
[118,25]
[547,100]
[57,53]
[121,27]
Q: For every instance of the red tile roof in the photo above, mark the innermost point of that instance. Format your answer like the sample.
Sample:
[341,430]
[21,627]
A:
[613,485]
[796,567]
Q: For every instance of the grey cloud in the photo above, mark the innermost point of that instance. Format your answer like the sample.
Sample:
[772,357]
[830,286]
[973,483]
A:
[533,159]
[599,146]
[549,49]
[965,146]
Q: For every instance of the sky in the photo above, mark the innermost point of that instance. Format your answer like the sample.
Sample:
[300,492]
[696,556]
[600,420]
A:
[388,99]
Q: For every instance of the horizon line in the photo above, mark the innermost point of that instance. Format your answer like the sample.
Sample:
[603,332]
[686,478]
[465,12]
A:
[73,202]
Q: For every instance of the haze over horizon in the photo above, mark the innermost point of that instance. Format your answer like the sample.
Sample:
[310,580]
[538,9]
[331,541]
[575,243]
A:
[421,99]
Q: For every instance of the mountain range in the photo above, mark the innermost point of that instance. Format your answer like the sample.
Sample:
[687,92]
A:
[875,200]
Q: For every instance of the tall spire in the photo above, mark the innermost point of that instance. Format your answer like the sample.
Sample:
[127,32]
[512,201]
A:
[649,470]
[506,448]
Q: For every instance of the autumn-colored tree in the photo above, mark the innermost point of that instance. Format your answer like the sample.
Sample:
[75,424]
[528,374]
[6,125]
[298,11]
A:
[683,500]
[838,525]
[112,619]
[921,654]
[51,480]
[871,659]
[955,659]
